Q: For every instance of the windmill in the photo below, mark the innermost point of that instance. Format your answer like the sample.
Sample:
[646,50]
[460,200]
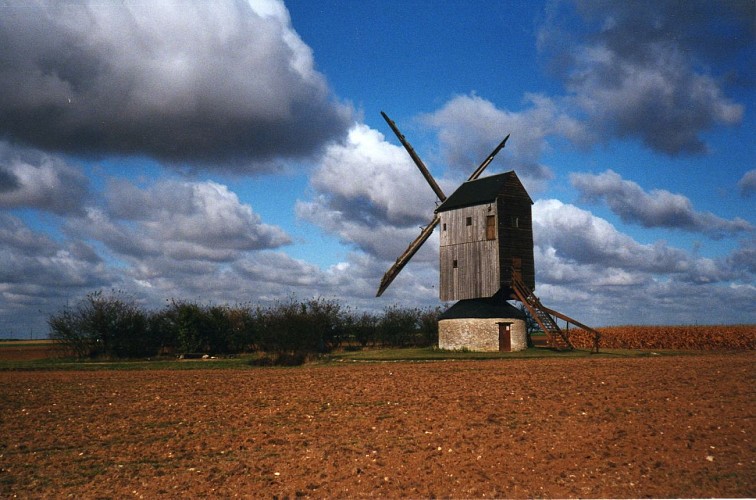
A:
[486,254]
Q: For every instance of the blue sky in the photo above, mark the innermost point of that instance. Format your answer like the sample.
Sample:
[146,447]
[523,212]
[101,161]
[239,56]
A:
[232,152]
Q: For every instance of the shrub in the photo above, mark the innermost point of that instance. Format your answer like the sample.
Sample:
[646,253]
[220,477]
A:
[103,325]
[428,320]
[325,322]
[316,325]
[280,359]
[113,325]
[243,329]
[398,326]
[363,328]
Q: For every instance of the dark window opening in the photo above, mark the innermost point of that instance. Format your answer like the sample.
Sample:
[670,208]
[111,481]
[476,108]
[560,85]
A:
[468,221]
[515,221]
[444,226]
[454,263]
[490,227]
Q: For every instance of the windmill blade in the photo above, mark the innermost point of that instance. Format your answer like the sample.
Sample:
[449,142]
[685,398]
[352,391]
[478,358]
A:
[423,169]
[407,255]
[488,160]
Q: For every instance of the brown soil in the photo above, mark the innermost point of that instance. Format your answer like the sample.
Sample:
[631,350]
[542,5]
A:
[660,427]
[29,350]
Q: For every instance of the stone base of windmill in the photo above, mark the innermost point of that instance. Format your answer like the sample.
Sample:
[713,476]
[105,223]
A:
[482,325]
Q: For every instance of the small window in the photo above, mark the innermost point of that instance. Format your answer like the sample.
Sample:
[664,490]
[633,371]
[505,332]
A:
[490,227]
[515,221]
[468,221]
[454,263]
[444,227]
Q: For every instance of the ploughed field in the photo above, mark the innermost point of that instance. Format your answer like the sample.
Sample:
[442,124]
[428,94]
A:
[661,426]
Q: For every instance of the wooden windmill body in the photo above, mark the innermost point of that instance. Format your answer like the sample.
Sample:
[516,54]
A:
[486,258]
[486,234]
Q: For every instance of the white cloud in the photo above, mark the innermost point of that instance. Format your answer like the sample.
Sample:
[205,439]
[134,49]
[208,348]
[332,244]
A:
[31,179]
[658,208]
[367,167]
[645,69]
[222,84]
[180,220]
[589,270]
[570,236]
[369,194]
[664,102]
[38,274]
[469,127]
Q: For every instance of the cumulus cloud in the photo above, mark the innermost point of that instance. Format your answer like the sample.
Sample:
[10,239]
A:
[37,271]
[180,220]
[227,83]
[743,259]
[32,179]
[747,184]
[263,277]
[598,253]
[369,194]
[645,69]
[589,270]
[658,208]
[469,127]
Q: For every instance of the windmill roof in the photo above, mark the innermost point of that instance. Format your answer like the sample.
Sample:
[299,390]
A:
[483,190]
[482,309]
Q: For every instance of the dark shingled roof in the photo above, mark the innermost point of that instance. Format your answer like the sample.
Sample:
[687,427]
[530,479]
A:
[482,309]
[479,191]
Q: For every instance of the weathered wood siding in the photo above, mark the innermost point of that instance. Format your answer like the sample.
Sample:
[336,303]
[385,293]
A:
[477,272]
[515,235]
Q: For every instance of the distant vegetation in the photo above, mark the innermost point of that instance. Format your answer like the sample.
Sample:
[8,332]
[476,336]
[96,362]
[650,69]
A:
[114,326]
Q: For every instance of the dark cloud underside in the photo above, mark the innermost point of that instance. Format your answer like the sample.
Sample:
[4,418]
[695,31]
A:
[182,82]
[653,70]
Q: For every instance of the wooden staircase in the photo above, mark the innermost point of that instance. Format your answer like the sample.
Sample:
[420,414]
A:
[545,317]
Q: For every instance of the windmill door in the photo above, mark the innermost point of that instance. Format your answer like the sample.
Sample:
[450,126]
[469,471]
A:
[505,337]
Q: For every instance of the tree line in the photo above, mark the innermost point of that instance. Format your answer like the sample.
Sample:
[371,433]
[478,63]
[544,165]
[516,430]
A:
[114,325]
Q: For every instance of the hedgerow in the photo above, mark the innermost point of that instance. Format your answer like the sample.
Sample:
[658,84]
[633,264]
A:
[113,325]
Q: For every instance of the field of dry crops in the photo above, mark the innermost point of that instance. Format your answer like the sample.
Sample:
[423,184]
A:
[704,337]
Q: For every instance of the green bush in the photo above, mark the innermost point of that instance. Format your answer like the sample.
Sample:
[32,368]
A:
[103,325]
[280,359]
[243,329]
[113,325]
[363,328]
[314,326]
[398,325]
[428,320]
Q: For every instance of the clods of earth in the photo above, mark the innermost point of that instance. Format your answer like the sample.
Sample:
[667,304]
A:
[679,426]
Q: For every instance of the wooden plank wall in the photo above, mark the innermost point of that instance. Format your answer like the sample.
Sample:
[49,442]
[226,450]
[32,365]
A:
[477,272]
[516,238]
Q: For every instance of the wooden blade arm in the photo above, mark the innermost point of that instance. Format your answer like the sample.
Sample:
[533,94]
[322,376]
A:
[488,160]
[407,255]
[423,169]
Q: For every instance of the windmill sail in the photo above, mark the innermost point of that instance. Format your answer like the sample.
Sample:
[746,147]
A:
[423,169]
[428,230]
[407,255]
[488,160]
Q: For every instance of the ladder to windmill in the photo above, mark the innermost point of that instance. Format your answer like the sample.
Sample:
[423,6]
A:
[557,338]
